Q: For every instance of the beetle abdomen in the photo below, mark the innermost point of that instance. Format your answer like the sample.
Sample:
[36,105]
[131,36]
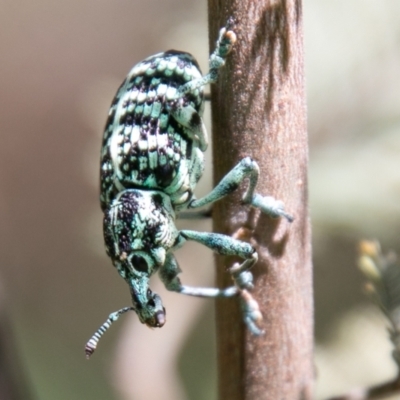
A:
[144,146]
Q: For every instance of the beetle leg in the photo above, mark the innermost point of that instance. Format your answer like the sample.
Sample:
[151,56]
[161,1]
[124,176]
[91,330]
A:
[243,278]
[247,168]
[224,45]
[169,275]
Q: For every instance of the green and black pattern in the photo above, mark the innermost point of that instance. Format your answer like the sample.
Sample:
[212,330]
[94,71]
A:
[151,160]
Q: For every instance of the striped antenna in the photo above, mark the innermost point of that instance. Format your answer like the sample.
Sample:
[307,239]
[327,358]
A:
[94,340]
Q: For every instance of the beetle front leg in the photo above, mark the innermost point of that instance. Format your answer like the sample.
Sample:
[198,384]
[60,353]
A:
[228,246]
[247,168]
[243,278]
[169,275]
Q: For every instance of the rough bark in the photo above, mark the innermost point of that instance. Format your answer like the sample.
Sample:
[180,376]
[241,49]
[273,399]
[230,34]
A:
[258,110]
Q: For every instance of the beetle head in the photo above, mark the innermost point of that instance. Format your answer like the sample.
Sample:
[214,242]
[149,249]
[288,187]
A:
[139,229]
[137,269]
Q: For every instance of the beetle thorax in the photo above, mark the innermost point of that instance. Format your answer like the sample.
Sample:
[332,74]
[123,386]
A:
[139,220]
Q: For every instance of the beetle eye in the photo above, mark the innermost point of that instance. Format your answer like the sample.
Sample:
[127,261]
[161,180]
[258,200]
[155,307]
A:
[139,263]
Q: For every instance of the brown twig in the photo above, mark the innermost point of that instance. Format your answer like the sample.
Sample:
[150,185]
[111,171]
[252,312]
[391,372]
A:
[259,111]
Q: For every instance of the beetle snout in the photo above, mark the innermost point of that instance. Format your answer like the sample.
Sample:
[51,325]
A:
[156,316]
[149,308]
[157,320]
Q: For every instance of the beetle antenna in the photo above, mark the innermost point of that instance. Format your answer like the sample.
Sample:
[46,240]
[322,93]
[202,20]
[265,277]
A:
[91,345]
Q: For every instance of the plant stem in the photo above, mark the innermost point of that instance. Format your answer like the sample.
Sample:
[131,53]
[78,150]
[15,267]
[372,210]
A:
[258,110]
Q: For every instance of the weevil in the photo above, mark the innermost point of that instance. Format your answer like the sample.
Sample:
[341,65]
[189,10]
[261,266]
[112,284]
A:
[152,157]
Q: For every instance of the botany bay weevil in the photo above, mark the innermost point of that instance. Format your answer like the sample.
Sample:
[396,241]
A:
[151,160]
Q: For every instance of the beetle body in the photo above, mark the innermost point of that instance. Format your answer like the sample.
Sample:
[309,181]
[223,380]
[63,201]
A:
[151,161]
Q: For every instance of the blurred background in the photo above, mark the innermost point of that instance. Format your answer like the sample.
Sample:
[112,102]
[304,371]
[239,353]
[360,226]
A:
[61,63]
